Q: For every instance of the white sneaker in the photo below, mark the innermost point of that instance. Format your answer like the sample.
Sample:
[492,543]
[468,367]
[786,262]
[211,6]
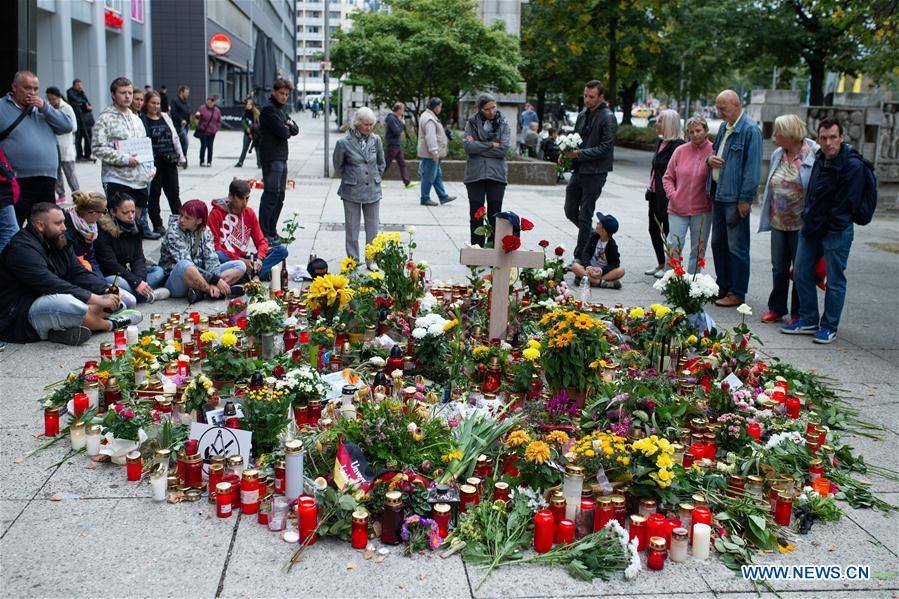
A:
[651,271]
[160,294]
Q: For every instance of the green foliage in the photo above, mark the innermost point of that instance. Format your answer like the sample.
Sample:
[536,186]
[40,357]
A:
[266,413]
[641,135]
[426,48]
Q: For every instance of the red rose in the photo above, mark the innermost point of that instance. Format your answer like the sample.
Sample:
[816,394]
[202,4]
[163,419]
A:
[511,242]
[559,250]
[480,213]
[543,243]
[540,288]
[410,265]
[526,225]
[278,371]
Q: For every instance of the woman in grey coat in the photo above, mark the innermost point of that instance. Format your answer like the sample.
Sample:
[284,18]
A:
[359,160]
[488,138]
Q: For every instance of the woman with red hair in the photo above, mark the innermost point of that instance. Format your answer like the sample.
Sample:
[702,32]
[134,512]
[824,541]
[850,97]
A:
[190,261]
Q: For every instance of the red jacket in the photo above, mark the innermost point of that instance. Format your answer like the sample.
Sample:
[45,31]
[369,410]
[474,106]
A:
[233,233]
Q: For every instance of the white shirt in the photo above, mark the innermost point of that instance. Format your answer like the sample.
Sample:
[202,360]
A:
[727,131]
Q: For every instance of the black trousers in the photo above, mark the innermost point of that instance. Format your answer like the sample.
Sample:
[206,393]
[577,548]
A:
[166,180]
[206,142]
[658,215]
[478,192]
[580,202]
[33,190]
[274,181]
[83,141]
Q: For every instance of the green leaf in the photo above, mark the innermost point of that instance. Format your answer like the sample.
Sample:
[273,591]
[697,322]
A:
[347,503]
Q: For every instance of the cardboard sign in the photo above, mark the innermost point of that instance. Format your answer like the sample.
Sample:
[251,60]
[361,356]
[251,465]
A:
[733,382]
[219,440]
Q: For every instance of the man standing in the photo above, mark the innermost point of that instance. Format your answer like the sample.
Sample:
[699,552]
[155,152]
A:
[180,113]
[163,99]
[45,292]
[432,145]
[84,117]
[732,184]
[28,130]
[275,128]
[836,183]
[596,125]
[235,231]
[528,116]
[65,144]
[123,172]
[395,129]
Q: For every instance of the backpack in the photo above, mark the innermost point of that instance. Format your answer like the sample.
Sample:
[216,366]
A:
[863,209]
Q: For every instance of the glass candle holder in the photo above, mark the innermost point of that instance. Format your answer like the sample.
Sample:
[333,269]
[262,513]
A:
[543,531]
[637,530]
[223,503]
[441,514]
[655,558]
[278,520]
[359,534]
[92,440]
[680,538]
[572,485]
[702,538]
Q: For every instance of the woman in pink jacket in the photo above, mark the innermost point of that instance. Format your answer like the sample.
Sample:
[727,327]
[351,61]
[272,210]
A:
[209,120]
[689,208]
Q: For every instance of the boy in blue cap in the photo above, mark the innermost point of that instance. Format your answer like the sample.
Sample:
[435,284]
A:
[604,269]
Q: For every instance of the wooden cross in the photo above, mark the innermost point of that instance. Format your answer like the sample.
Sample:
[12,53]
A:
[501,262]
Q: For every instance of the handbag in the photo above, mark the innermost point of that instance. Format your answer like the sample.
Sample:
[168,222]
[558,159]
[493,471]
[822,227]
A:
[197,130]
[649,194]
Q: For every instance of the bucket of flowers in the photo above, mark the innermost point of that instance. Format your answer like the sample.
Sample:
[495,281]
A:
[689,292]
[328,295]
[404,280]
[572,341]
[265,320]
[300,385]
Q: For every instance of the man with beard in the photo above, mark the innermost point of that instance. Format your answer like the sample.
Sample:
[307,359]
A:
[46,294]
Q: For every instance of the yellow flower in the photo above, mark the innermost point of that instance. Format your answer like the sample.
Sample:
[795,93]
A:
[533,343]
[537,452]
[146,340]
[665,446]
[453,455]
[636,312]
[531,353]
[376,276]
[228,339]
[450,324]
[348,265]
[479,350]
[691,340]
[625,460]
[661,311]
[557,437]
[561,340]
[590,453]
[664,461]
[517,438]
[209,337]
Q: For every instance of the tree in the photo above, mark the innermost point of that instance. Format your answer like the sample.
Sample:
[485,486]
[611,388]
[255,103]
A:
[426,48]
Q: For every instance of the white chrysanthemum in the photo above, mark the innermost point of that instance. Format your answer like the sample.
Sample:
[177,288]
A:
[744,309]
[435,330]
[427,303]
[419,333]
[423,265]
[410,229]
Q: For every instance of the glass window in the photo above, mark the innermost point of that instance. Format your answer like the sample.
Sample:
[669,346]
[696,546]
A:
[137,10]
[113,5]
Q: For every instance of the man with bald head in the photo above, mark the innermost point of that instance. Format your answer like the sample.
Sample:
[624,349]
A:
[30,146]
[732,184]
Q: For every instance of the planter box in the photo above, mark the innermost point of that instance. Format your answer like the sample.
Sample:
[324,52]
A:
[521,172]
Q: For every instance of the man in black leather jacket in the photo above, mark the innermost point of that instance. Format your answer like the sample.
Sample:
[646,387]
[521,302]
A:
[596,124]
[275,128]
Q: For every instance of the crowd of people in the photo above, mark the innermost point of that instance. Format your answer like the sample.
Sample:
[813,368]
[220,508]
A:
[70,271]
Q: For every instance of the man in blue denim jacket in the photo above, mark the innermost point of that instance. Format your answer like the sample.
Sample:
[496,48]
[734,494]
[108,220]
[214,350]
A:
[836,184]
[732,183]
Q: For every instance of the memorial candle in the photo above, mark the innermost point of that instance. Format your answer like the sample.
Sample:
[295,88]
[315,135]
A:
[81,403]
[680,538]
[655,559]
[543,531]
[359,535]
[307,517]
[792,405]
[51,422]
[223,504]
[133,465]
[159,482]
[702,536]
[77,435]
[603,513]
[441,515]
[92,440]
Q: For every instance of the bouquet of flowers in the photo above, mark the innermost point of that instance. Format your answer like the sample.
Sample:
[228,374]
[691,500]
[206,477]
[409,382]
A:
[607,451]
[225,360]
[419,534]
[327,295]
[302,384]
[572,341]
[572,141]
[197,393]
[537,459]
[432,343]
[265,318]
[266,412]
[685,291]
[404,280]
[652,468]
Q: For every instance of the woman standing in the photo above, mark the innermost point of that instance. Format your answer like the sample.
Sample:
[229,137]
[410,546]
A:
[784,199]
[689,208]
[250,123]
[189,259]
[167,155]
[359,160]
[120,254]
[668,128]
[209,120]
[488,138]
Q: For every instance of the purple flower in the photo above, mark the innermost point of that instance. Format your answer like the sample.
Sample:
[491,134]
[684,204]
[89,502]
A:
[453,421]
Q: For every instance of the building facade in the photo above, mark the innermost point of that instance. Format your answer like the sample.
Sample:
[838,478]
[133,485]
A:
[92,40]
[226,48]
[311,38]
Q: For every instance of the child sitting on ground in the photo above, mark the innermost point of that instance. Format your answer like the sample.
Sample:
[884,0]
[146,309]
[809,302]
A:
[605,261]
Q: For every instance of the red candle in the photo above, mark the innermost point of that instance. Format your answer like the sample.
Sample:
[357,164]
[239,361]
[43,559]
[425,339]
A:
[233,490]
[249,492]
[359,536]
[783,385]
[51,422]
[755,431]
[655,559]
[216,472]
[133,465]
[242,322]
[637,530]
[119,337]
[195,317]
[778,394]
[223,505]
[441,515]
[501,491]
[792,404]
[656,526]
[604,512]
[566,532]
[783,509]
[468,495]
[672,524]
[557,509]
[307,512]
[280,477]
[304,337]
[543,531]
[81,401]
[701,515]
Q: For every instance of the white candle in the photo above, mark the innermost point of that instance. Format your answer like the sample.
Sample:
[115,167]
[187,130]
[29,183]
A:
[293,469]
[159,485]
[275,284]
[169,389]
[702,536]
[92,440]
[93,394]
[679,542]
[131,334]
[76,434]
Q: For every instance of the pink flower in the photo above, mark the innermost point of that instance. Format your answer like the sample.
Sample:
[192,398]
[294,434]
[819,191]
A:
[128,414]
[117,407]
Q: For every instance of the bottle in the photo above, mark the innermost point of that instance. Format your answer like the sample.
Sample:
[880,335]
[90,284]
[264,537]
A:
[285,277]
[583,289]
[113,289]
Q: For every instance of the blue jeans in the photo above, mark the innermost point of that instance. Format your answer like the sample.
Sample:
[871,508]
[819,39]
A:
[430,173]
[176,284]
[835,249]
[698,225]
[730,248]
[783,255]
[155,278]
[56,312]
[276,253]
[9,226]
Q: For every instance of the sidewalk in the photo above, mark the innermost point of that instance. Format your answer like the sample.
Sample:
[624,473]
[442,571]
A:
[70,530]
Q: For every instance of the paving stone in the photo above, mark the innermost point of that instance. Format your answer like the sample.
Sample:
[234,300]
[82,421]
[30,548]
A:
[9,511]
[21,477]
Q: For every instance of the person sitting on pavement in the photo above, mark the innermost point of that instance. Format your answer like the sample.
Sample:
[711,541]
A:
[235,226]
[605,268]
[81,227]
[189,259]
[45,292]
[120,254]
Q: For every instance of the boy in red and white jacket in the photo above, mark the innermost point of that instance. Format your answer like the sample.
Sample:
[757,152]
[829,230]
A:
[235,227]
